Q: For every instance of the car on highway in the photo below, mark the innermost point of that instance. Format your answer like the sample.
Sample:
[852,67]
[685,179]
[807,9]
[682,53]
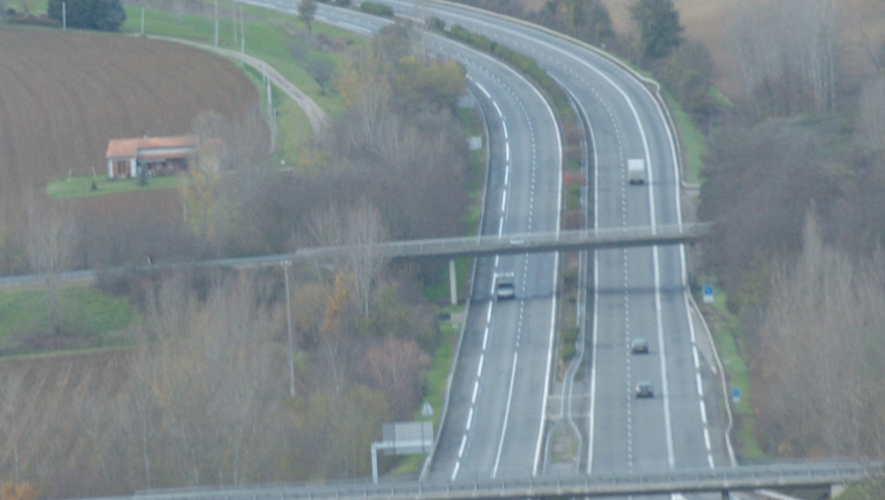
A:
[644,389]
[639,346]
[504,286]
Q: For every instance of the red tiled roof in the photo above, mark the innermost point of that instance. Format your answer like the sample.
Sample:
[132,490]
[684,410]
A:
[128,148]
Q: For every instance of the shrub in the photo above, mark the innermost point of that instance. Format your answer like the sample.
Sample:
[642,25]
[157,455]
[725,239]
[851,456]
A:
[104,15]
[436,24]
[34,20]
[376,9]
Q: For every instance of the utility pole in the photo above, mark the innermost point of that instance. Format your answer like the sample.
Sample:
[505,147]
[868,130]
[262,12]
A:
[216,24]
[286,265]
[64,17]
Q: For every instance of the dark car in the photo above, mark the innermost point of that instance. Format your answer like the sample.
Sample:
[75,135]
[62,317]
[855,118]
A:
[639,346]
[645,390]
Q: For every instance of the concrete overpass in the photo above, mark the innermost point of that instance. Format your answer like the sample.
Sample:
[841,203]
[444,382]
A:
[562,241]
[721,480]
[441,248]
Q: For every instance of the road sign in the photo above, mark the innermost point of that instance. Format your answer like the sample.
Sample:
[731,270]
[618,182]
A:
[426,410]
[708,293]
[736,394]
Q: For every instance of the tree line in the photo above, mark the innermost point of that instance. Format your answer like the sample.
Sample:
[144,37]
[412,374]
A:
[794,185]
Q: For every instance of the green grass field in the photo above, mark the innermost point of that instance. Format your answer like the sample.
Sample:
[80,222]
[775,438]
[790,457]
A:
[90,319]
[694,146]
[79,187]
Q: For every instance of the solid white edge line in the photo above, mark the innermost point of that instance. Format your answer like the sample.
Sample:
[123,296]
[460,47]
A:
[482,89]
[592,417]
[592,432]
[506,416]
[549,364]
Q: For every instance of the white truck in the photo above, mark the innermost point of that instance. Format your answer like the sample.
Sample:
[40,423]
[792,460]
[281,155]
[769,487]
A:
[504,287]
[636,171]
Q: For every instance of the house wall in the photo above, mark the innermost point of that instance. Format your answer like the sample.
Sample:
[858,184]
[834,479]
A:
[112,164]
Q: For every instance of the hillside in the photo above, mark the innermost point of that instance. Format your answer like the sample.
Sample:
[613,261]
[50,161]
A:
[707,21]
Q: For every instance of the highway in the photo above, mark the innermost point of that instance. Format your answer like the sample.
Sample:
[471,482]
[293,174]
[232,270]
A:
[495,412]
[636,292]
[496,416]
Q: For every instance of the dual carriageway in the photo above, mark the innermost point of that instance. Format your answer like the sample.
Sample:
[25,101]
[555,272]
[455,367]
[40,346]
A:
[497,423]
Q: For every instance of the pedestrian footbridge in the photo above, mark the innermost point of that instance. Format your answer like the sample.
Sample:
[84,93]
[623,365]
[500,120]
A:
[722,481]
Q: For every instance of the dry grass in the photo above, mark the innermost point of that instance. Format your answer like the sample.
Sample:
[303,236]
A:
[48,387]
[64,94]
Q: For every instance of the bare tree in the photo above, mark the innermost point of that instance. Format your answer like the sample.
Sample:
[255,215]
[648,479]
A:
[10,398]
[871,116]
[396,365]
[358,227]
[787,52]
[819,359]
[50,247]
[214,378]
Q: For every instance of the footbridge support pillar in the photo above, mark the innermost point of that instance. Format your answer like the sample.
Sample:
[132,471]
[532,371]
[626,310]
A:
[453,282]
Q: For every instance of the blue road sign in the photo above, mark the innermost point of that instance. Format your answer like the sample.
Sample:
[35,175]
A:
[708,294]
[736,393]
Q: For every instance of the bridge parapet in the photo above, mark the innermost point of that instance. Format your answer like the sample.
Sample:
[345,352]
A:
[596,485]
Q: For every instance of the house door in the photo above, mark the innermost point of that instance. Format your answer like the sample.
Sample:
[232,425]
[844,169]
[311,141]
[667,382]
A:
[122,169]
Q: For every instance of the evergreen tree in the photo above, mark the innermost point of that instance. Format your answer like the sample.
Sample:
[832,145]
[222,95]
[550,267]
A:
[104,15]
[659,28]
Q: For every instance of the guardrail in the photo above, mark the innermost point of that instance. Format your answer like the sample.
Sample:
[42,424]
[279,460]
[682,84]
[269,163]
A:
[682,481]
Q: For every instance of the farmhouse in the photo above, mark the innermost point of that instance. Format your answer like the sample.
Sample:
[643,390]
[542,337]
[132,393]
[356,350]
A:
[155,155]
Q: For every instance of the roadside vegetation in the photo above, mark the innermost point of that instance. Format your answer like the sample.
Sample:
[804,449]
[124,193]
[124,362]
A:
[791,169]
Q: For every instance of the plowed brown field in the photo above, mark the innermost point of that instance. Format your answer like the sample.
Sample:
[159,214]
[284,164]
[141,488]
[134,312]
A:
[63,95]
